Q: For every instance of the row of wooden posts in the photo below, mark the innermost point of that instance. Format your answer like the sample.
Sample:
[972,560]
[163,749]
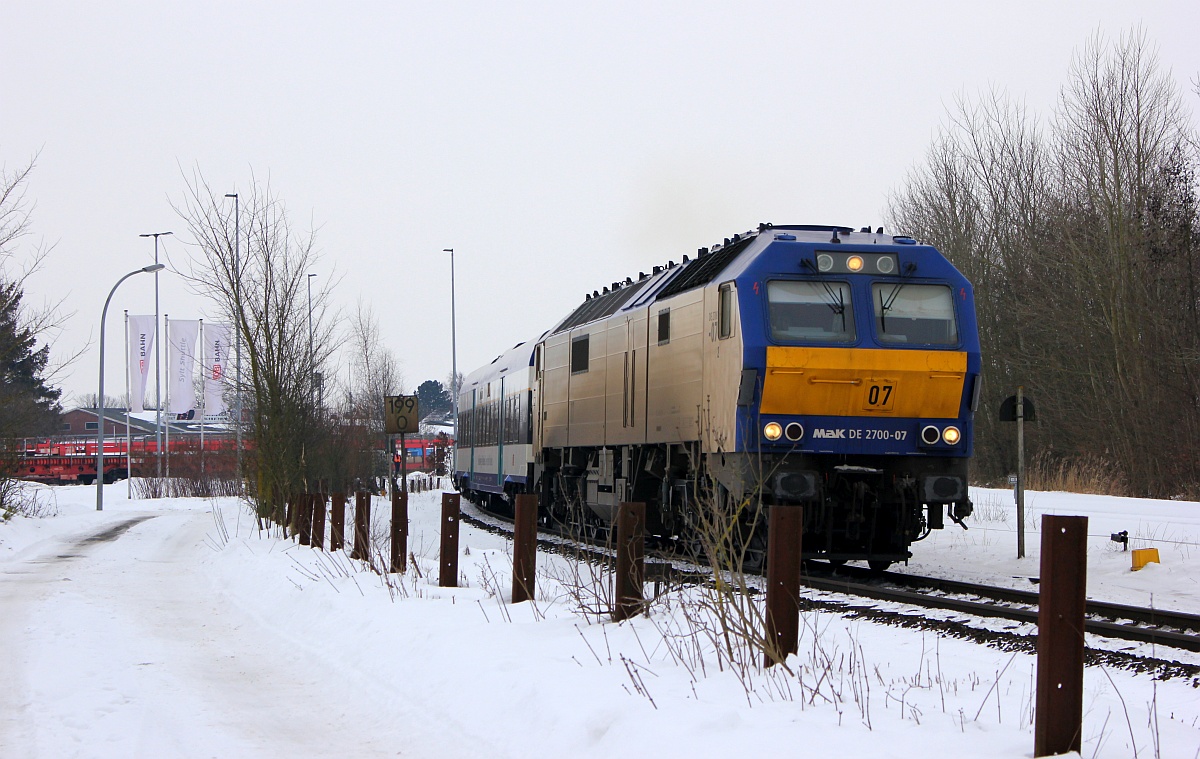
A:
[1060,642]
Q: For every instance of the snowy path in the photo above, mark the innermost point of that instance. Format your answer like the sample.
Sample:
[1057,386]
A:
[127,649]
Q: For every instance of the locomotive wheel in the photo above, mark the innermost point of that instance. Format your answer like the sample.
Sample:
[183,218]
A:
[878,565]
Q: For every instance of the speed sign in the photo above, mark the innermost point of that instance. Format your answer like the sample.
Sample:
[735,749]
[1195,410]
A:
[400,414]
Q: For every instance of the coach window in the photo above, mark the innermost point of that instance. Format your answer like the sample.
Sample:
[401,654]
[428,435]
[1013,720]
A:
[725,311]
[579,354]
[806,311]
[664,326]
[914,314]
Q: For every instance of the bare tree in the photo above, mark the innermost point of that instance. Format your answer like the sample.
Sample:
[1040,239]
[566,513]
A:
[375,374]
[1081,240]
[260,285]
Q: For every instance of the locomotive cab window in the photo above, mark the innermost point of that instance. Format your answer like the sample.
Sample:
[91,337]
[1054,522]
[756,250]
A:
[915,314]
[725,311]
[802,311]
[579,354]
[664,326]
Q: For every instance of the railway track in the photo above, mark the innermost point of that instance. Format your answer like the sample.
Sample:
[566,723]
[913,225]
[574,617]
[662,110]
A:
[1157,627]
[1132,623]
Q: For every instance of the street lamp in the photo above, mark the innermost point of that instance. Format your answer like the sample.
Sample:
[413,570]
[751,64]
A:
[157,359]
[312,375]
[237,334]
[453,352]
[100,391]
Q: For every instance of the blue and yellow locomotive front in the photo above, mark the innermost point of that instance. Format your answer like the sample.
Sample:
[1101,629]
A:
[860,378]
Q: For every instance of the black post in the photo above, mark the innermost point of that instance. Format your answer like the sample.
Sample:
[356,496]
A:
[1058,726]
[399,529]
[631,547]
[448,577]
[524,547]
[318,521]
[785,531]
[337,527]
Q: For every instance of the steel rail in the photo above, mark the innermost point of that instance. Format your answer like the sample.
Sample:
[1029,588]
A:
[865,583]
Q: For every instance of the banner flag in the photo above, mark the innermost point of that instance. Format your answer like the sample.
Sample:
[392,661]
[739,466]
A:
[216,359]
[182,335]
[141,343]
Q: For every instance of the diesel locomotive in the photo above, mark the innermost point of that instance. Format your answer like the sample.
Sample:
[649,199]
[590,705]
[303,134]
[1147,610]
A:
[808,365]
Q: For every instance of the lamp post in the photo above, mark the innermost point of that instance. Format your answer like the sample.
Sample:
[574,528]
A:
[237,333]
[453,352]
[157,360]
[100,390]
[312,375]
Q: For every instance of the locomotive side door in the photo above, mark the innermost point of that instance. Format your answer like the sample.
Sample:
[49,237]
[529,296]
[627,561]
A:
[535,403]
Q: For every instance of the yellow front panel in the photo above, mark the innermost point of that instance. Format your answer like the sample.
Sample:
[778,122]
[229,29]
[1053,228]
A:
[864,382]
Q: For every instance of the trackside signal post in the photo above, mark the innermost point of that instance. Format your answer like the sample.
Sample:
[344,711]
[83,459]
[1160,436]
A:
[1017,408]
[401,416]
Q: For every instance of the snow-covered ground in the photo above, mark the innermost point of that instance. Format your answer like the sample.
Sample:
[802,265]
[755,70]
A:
[191,634]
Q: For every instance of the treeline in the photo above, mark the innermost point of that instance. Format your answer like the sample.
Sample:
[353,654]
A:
[1081,234]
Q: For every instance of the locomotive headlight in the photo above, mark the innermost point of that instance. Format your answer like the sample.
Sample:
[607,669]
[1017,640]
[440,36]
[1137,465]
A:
[772,431]
[854,263]
[794,431]
[951,435]
[824,262]
[930,435]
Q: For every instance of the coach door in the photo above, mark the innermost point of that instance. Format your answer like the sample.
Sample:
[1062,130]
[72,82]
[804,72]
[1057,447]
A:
[535,404]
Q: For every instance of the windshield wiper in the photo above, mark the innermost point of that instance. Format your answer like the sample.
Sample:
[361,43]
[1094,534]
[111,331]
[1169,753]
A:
[885,306]
[837,302]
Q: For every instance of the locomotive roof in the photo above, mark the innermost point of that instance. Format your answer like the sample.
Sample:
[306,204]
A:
[708,264]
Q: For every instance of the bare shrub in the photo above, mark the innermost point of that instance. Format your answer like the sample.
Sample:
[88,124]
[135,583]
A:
[184,487]
[23,499]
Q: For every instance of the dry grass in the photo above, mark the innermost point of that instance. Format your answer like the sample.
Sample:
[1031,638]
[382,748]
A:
[1081,474]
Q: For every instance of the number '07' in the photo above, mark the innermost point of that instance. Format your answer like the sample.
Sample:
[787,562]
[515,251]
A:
[879,395]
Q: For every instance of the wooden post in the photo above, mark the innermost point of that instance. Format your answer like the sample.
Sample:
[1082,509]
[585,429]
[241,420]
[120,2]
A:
[362,526]
[304,517]
[448,577]
[785,532]
[318,522]
[631,547]
[1020,471]
[1058,726]
[524,547]
[293,514]
[337,522]
[399,529]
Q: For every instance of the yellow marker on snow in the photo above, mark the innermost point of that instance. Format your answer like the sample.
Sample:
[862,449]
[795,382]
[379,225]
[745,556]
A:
[1143,556]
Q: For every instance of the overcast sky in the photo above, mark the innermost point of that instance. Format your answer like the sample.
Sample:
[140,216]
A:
[556,148]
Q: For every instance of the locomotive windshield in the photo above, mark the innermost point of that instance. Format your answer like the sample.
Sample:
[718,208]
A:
[918,314]
[810,311]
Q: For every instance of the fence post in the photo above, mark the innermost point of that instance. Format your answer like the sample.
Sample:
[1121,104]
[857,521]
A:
[318,521]
[337,522]
[631,548]
[448,577]
[785,532]
[304,517]
[524,547]
[1058,726]
[362,522]
[399,528]
[293,515]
